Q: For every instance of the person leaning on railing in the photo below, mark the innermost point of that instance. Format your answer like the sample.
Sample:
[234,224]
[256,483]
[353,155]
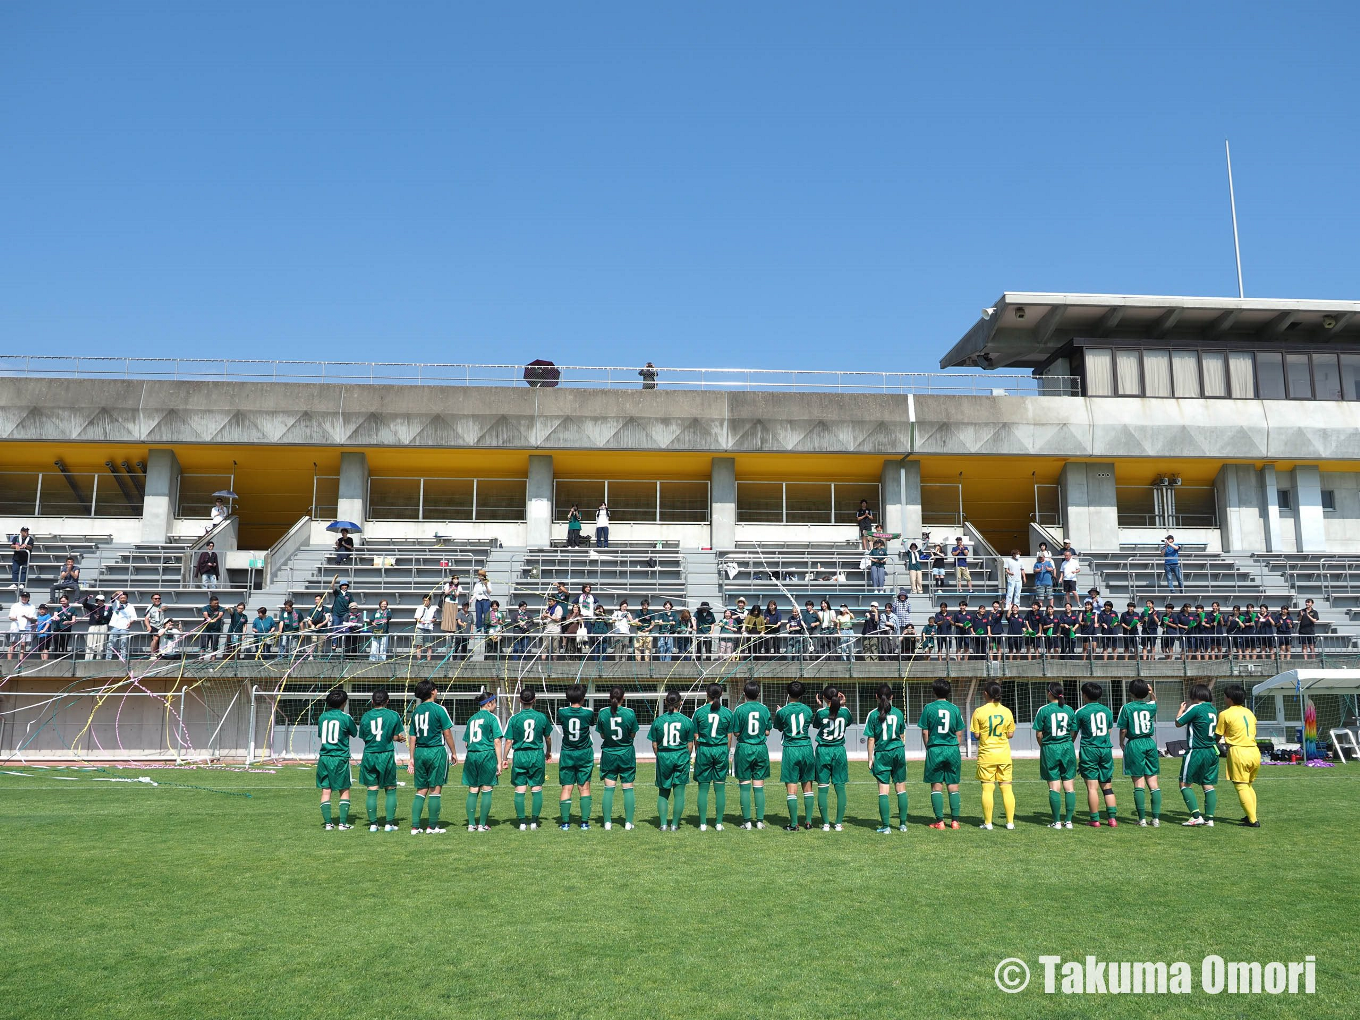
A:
[318,622]
[704,625]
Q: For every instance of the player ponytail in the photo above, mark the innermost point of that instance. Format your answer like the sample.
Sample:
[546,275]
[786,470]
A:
[672,701]
[993,691]
[715,693]
[1055,691]
[615,699]
[884,701]
[834,700]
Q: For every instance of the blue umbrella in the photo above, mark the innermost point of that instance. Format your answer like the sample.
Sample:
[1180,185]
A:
[338,525]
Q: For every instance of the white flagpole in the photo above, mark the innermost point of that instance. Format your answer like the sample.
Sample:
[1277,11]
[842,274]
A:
[1232,202]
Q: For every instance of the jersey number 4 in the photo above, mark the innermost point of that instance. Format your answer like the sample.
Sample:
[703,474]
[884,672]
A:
[375,727]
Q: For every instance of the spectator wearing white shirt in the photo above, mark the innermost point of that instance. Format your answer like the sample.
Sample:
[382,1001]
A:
[481,600]
[219,514]
[1068,570]
[120,627]
[602,527]
[156,618]
[23,616]
[425,617]
[623,631]
[587,603]
[1015,578]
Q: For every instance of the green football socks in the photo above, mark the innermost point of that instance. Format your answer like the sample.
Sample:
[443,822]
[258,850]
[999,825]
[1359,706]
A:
[719,801]
[417,807]
[391,802]
[486,808]
[1140,802]
[744,794]
[954,805]
[585,808]
[1191,801]
[703,803]
[371,806]
[793,810]
[822,809]
[1055,805]
[519,809]
[937,804]
[760,803]
[902,807]
[344,812]
[840,803]
[1069,805]
[608,804]
[677,806]
[432,806]
[1156,803]
[1210,803]
[326,812]
[472,808]
[629,801]
[884,811]
[538,805]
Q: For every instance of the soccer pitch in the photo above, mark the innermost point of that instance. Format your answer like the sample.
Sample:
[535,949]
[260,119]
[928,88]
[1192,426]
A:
[193,901]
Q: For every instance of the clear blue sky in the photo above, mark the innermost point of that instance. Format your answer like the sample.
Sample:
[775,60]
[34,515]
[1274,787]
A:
[739,184]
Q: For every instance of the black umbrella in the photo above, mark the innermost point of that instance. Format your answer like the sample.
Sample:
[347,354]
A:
[542,373]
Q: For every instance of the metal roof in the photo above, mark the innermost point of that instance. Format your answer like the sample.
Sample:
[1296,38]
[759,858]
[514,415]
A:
[1023,330]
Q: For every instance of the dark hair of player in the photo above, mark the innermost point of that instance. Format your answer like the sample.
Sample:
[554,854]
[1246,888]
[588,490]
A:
[1091,690]
[942,688]
[425,689]
[576,694]
[1237,694]
[884,699]
[672,700]
[336,698]
[993,691]
[1055,691]
[615,698]
[796,689]
[527,696]
[378,697]
[714,693]
[834,701]
[1201,692]
[1140,689]
[751,690]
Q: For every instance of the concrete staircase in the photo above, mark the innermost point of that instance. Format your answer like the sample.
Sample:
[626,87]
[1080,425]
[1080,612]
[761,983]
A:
[701,579]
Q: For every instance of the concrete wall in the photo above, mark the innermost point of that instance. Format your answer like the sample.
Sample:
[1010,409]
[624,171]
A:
[1090,515]
[1341,528]
[722,503]
[162,413]
[162,490]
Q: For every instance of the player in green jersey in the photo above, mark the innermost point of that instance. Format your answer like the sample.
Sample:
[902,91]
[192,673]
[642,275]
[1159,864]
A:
[335,727]
[751,761]
[672,737]
[1201,761]
[1137,725]
[715,731]
[797,768]
[432,731]
[485,747]
[831,721]
[1056,727]
[576,759]
[884,730]
[941,723]
[378,767]
[529,736]
[617,725]
[1095,723]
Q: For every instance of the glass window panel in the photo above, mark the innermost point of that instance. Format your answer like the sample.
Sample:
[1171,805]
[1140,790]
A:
[1329,500]
[1285,498]
[449,499]
[809,503]
[1185,373]
[1298,377]
[1326,377]
[394,499]
[1215,373]
[1270,375]
[684,502]
[1350,376]
[846,501]
[1242,374]
[1126,373]
[1099,373]
[761,502]
[632,502]
[585,495]
[498,499]
[1157,373]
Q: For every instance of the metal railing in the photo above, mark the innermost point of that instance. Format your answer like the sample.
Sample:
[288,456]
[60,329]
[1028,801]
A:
[395,498]
[804,502]
[1048,506]
[575,376]
[66,494]
[1166,506]
[631,502]
[1146,576]
[942,504]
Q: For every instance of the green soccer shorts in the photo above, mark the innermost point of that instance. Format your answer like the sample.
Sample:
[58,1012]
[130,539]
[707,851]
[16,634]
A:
[1096,763]
[619,764]
[710,764]
[797,764]
[672,769]
[479,769]
[752,761]
[432,767]
[833,769]
[378,769]
[527,768]
[943,765]
[332,772]
[575,766]
[1200,767]
[1141,758]
[890,766]
[1057,762]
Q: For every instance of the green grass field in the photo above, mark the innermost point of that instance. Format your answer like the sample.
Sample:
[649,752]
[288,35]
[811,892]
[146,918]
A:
[123,900]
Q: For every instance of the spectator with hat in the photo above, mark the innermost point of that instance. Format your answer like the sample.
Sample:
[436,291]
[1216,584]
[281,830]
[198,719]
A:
[97,613]
[23,618]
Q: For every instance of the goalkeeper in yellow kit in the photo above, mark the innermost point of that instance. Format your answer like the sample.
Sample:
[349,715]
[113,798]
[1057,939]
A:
[994,725]
[1237,726]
